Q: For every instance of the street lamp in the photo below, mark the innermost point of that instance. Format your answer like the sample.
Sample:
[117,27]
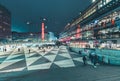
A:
[28,23]
[44,19]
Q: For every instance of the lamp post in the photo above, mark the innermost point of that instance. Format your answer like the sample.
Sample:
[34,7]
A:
[28,23]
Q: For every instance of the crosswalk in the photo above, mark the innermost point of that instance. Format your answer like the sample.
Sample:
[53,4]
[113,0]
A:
[39,60]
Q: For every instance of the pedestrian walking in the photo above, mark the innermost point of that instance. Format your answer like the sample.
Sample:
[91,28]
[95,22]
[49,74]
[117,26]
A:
[95,60]
[18,49]
[84,60]
[39,47]
[43,50]
[5,49]
[80,52]
[29,50]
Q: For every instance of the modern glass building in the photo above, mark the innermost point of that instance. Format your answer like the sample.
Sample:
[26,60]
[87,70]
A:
[99,22]
[5,23]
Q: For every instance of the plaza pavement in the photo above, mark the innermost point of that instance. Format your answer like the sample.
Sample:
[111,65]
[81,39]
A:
[56,64]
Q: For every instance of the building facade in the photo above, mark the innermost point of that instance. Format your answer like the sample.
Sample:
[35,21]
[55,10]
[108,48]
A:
[5,23]
[99,22]
[32,36]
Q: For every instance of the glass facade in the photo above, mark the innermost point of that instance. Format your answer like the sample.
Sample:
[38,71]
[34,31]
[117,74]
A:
[99,22]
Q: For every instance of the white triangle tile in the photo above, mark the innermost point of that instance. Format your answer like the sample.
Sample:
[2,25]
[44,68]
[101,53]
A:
[65,63]
[13,60]
[27,55]
[5,64]
[88,62]
[14,70]
[65,55]
[40,66]
[55,52]
[12,56]
[50,57]
[2,56]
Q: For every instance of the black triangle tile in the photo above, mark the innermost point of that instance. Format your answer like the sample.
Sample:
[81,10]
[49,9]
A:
[35,55]
[15,65]
[61,52]
[25,69]
[62,49]
[54,66]
[77,63]
[2,59]
[75,55]
[59,58]
[70,52]
[18,57]
[54,50]
[42,60]
[32,51]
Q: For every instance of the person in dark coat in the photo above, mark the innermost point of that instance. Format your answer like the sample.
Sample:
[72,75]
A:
[57,44]
[91,57]
[29,50]
[95,58]
[80,52]
[5,49]
[44,51]
[84,60]
[18,49]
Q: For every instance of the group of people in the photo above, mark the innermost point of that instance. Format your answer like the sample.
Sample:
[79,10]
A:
[4,50]
[92,56]
[42,48]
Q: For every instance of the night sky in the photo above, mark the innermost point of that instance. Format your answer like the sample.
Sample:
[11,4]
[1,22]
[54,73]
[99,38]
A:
[57,13]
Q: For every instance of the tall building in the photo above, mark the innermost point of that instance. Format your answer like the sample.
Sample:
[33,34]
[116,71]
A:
[52,37]
[5,23]
[99,22]
[32,36]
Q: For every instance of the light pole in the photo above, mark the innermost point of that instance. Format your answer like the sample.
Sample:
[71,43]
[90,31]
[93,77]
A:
[29,24]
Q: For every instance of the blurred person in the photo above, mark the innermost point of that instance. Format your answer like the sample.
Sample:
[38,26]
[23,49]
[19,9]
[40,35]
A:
[29,50]
[84,60]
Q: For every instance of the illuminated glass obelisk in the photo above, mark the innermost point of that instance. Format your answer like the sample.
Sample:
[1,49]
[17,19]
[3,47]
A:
[78,32]
[43,31]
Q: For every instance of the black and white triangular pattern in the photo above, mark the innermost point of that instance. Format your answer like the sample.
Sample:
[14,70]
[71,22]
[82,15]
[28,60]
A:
[36,59]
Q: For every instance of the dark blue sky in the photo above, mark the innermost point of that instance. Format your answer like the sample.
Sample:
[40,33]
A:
[57,12]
